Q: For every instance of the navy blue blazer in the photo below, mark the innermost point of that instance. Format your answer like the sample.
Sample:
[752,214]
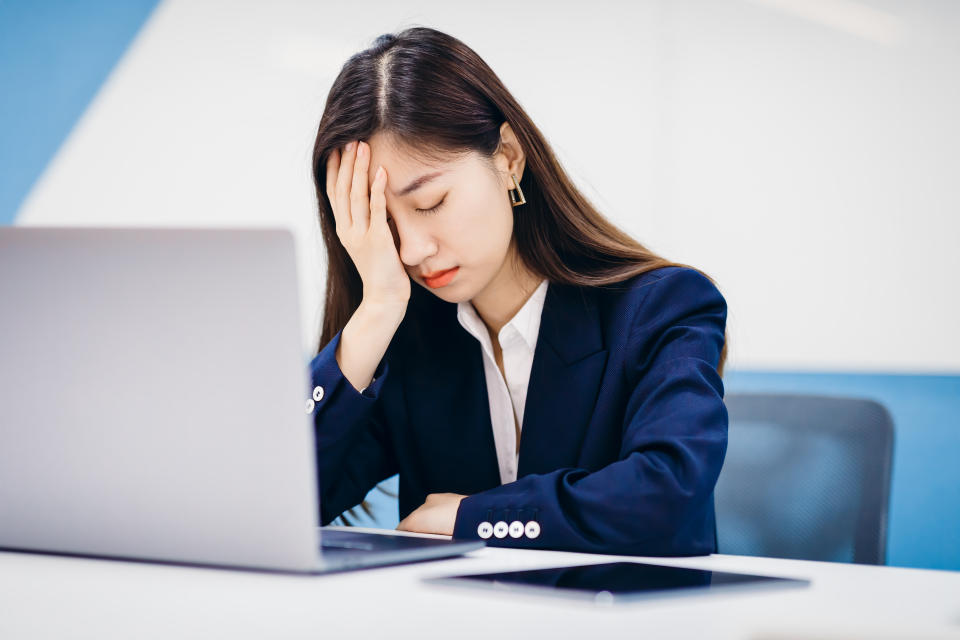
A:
[623,435]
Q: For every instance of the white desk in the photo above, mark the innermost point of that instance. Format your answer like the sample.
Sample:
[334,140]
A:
[63,597]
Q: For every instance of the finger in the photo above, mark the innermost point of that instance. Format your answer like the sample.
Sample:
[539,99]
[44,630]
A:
[359,191]
[378,200]
[344,176]
[333,166]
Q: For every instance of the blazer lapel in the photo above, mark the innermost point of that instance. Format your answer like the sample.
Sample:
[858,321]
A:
[568,364]
[448,402]
[448,392]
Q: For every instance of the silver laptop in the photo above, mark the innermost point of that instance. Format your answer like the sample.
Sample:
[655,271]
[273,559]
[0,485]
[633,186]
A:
[152,384]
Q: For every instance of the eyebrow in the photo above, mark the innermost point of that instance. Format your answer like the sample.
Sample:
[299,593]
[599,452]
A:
[419,182]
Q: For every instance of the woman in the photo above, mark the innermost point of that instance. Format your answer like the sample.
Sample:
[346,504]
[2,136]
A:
[548,382]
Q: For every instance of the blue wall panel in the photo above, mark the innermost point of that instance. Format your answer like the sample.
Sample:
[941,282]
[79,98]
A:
[925,494]
[54,56]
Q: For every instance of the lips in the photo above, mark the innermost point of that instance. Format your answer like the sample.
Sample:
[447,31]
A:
[436,274]
[439,279]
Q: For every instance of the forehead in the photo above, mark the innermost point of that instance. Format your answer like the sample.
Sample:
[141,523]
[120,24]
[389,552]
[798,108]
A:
[405,163]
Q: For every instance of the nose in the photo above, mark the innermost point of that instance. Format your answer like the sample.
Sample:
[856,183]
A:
[414,241]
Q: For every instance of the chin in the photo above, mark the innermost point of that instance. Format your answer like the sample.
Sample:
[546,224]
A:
[446,295]
[453,293]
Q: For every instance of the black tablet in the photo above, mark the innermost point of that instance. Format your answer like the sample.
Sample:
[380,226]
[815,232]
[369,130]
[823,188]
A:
[619,581]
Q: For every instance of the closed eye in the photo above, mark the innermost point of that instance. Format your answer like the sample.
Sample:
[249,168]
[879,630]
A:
[432,209]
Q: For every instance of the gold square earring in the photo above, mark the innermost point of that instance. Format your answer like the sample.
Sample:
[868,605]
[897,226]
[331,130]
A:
[516,199]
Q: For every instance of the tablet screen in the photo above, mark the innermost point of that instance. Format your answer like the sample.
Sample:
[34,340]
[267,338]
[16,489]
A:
[615,581]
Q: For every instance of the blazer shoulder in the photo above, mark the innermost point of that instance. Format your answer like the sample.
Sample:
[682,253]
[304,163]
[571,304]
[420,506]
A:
[653,301]
[671,281]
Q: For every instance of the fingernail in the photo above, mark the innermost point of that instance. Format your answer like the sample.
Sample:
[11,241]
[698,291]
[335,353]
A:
[379,172]
[350,145]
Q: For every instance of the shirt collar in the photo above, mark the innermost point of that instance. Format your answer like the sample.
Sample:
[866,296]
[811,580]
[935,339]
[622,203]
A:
[525,322]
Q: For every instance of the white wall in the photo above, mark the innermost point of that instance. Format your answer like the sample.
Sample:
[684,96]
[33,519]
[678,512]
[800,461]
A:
[802,152]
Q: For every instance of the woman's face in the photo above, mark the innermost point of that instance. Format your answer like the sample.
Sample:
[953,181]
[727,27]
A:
[448,214]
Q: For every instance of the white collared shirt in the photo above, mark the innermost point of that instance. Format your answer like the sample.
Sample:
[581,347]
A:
[518,341]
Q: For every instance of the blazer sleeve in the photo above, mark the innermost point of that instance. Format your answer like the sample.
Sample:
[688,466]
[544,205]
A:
[657,498]
[353,445]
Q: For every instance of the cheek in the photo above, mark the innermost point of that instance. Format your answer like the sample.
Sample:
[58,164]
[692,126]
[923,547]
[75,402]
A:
[495,227]
[479,234]
[488,215]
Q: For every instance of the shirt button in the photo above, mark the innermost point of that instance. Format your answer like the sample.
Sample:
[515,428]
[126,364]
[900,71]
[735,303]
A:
[516,529]
[318,393]
[310,405]
[500,529]
[485,530]
[533,529]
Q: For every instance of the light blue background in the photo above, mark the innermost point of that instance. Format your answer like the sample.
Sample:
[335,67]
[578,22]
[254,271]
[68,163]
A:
[54,56]
[924,526]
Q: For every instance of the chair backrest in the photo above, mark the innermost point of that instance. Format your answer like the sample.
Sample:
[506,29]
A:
[805,477]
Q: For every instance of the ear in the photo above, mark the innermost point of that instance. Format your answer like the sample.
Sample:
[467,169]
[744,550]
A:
[509,158]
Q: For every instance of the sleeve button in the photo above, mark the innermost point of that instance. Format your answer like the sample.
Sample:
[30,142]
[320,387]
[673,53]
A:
[500,529]
[516,529]
[533,529]
[485,530]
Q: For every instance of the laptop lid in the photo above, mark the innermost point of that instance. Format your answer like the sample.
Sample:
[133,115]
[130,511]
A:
[152,389]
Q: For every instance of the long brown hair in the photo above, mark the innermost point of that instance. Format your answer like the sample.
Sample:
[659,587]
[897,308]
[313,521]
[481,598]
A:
[433,93]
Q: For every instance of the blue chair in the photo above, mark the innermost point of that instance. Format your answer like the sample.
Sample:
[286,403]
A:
[805,477]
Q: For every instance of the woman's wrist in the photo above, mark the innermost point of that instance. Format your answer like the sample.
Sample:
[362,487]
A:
[365,339]
[381,312]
